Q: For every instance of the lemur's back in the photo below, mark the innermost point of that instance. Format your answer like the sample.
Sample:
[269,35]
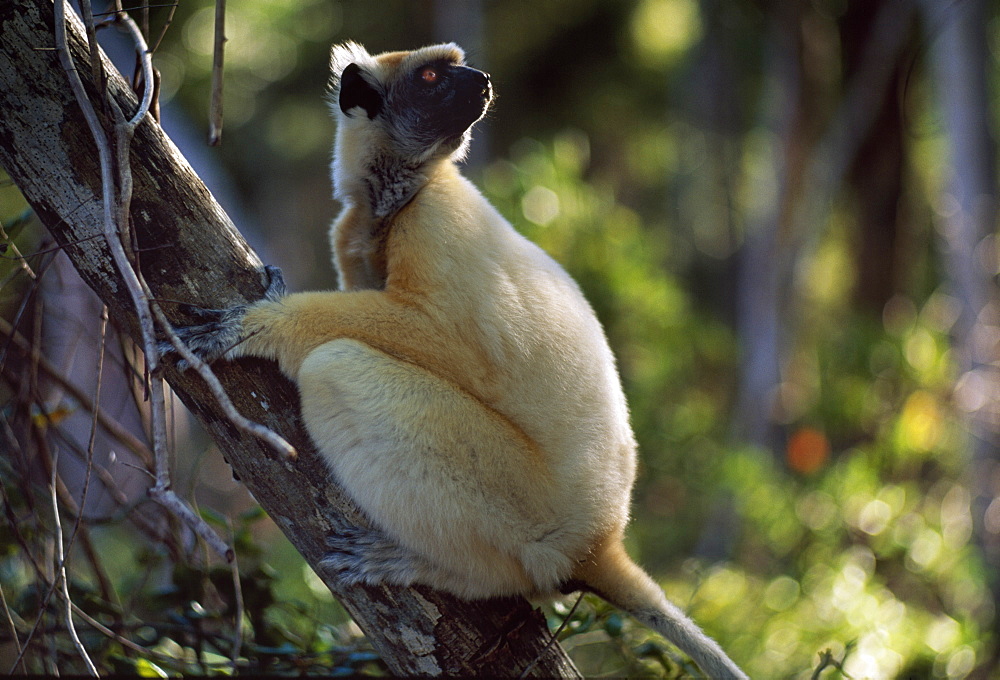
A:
[526,341]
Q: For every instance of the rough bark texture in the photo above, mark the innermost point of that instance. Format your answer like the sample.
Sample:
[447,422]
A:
[191,251]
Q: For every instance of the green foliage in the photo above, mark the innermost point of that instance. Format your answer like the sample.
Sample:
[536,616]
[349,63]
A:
[183,615]
[859,567]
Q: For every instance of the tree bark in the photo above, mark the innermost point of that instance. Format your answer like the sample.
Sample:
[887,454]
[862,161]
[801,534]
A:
[190,251]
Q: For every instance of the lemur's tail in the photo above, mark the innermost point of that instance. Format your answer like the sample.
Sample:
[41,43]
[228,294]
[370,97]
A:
[612,574]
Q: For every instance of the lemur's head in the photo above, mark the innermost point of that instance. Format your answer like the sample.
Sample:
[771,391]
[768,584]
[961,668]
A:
[403,107]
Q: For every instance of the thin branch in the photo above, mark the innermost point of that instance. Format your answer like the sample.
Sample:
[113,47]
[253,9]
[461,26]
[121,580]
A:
[554,638]
[61,573]
[176,505]
[26,550]
[13,630]
[89,467]
[111,426]
[166,24]
[17,253]
[215,104]
[238,595]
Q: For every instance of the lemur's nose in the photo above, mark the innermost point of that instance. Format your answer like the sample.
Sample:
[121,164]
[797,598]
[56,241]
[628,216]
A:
[486,84]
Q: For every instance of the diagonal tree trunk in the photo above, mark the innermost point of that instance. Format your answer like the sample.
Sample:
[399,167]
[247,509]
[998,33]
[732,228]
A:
[190,251]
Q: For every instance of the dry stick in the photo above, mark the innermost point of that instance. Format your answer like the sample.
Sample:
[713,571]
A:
[166,25]
[17,253]
[40,574]
[111,426]
[19,537]
[123,641]
[52,586]
[238,615]
[555,636]
[93,428]
[84,616]
[61,572]
[215,104]
[13,630]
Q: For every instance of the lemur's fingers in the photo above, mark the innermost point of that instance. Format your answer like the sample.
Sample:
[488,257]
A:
[219,330]
[201,313]
[210,340]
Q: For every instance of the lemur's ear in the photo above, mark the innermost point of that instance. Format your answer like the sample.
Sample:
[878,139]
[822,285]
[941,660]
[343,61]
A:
[356,91]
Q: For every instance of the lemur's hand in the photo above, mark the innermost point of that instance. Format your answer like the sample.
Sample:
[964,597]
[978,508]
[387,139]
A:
[220,331]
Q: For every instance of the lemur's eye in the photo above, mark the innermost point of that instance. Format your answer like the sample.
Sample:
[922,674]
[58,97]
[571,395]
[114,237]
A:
[429,75]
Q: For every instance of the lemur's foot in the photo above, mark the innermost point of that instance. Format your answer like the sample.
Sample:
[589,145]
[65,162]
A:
[220,329]
[369,556]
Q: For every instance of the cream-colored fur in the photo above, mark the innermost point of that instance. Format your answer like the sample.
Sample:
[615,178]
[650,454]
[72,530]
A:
[459,385]
[472,407]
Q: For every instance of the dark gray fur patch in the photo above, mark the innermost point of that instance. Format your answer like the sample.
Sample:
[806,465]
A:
[392,182]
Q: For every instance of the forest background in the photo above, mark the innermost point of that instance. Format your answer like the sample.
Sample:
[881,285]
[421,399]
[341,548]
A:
[782,211]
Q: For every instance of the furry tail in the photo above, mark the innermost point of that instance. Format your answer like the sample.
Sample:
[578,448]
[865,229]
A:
[615,577]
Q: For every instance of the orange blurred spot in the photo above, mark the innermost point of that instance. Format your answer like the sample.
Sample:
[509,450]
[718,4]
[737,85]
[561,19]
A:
[808,450]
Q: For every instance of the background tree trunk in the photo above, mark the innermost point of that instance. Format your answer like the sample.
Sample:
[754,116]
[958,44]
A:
[959,56]
[190,251]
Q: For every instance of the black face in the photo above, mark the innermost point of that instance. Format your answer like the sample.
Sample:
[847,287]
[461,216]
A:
[431,107]
[442,100]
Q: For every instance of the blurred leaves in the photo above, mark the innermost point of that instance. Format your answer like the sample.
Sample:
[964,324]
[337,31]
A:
[630,142]
[857,541]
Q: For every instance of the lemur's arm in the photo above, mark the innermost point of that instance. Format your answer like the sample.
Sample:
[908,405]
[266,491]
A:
[287,328]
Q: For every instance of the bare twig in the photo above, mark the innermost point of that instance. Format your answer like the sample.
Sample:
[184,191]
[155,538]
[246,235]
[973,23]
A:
[61,572]
[238,615]
[215,105]
[554,638]
[111,426]
[17,253]
[166,24]
[89,467]
[13,630]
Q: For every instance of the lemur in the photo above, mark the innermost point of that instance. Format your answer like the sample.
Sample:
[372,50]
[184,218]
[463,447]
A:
[458,384]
